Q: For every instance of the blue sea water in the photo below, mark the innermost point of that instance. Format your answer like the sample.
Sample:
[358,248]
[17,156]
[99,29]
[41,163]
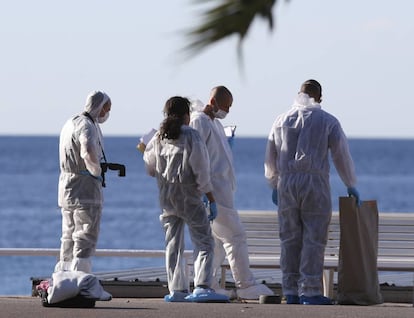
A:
[29,216]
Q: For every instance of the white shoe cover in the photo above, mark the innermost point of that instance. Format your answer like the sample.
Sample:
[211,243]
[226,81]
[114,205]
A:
[254,292]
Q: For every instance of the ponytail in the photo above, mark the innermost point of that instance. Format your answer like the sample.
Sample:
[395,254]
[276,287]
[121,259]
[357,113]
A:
[176,108]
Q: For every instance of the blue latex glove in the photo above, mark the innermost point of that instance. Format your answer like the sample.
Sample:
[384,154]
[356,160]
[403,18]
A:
[213,211]
[353,192]
[230,140]
[274,196]
[205,200]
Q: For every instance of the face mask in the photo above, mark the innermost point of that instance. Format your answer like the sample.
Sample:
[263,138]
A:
[220,114]
[103,119]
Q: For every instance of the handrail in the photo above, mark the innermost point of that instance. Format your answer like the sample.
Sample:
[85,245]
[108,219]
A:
[34,251]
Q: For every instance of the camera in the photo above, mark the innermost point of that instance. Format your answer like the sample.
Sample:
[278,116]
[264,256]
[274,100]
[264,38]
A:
[112,166]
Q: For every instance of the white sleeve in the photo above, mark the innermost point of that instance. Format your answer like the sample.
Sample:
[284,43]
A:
[200,163]
[202,126]
[341,157]
[270,164]
[150,156]
[90,150]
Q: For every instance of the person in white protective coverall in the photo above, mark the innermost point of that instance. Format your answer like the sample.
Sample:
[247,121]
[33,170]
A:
[80,183]
[228,232]
[177,157]
[297,168]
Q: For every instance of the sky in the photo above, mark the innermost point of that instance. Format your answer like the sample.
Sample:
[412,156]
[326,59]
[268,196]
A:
[53,53]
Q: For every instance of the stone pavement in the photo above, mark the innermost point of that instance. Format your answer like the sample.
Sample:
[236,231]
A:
[22,307]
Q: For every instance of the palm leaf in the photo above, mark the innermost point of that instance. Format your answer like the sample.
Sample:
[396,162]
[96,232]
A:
[230,17]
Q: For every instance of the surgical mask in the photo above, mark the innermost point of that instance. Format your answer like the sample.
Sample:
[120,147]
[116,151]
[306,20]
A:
[103,119]
[220,114]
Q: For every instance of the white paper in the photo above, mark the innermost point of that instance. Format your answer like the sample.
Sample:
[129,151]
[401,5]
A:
[147,137]
[229,130]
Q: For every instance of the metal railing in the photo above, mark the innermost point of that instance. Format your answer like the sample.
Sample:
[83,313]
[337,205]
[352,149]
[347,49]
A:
[5,251]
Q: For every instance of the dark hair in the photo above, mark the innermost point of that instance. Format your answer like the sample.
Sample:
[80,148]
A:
[312,88]
[175,110]
[221,92]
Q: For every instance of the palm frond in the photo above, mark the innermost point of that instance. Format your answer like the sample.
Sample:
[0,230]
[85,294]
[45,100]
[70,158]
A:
[230,17]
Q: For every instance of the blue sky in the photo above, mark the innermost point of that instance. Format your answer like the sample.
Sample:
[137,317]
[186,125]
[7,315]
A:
[54,53]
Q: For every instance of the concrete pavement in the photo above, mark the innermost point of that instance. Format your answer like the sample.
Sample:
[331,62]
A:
[22,307]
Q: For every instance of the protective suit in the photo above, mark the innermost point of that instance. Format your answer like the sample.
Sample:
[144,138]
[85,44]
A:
[297,165]
[80,189]
[181,168]
[229,234]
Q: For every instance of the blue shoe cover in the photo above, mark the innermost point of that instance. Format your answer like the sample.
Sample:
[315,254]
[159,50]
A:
[176,297]
[206,295]
[315,300]
[292,299]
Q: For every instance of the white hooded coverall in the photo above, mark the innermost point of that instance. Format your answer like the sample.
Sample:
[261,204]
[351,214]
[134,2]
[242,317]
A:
[297,165]
[227,229]
[182,170]
[80,188]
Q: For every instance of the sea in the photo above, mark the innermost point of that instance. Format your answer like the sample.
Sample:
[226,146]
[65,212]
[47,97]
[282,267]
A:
[30,217]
